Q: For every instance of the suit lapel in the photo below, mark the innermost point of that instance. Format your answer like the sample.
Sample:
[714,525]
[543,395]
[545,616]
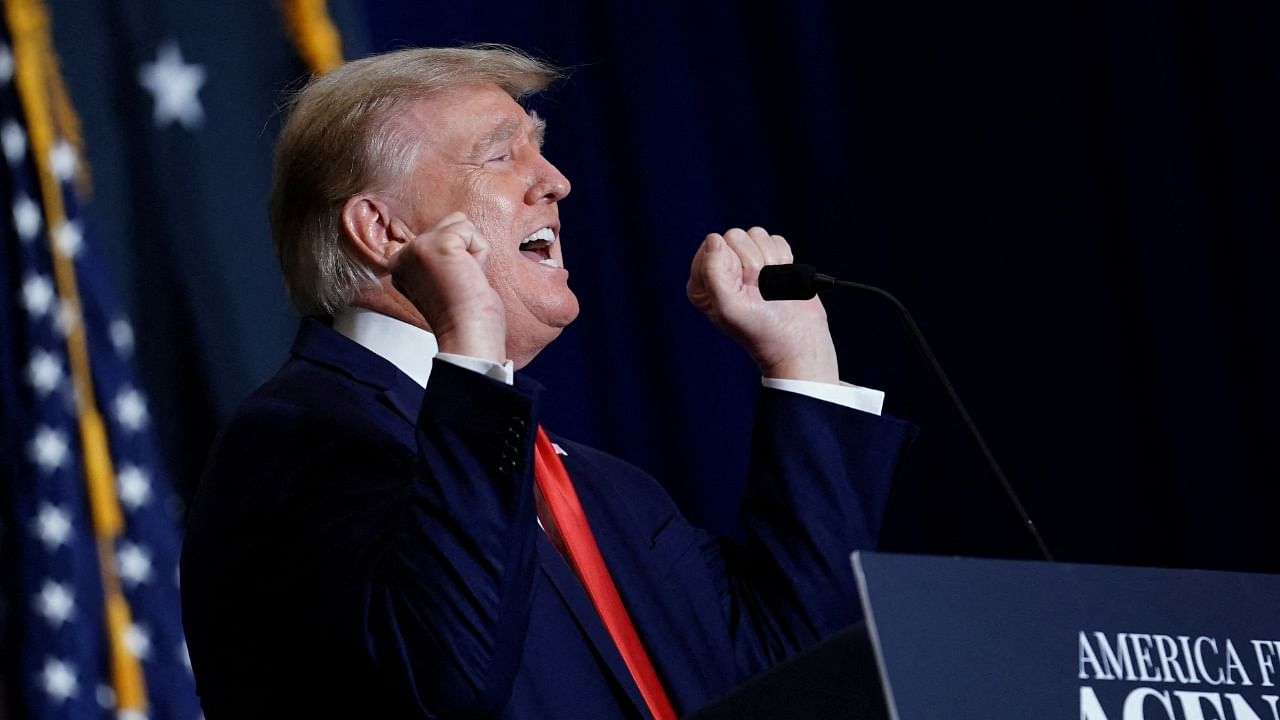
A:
[322,344]
[405,401]
[319,343]
[575,598]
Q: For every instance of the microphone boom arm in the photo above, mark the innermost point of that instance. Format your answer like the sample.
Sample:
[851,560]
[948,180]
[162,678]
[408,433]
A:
[802,282]
[914,330]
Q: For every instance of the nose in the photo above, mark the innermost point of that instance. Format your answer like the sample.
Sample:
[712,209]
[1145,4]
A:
[549,185]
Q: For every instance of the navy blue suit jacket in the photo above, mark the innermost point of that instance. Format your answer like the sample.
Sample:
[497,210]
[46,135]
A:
[361,548]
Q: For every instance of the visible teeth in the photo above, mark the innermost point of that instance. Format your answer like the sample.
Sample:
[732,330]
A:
[550,262]
[543,234]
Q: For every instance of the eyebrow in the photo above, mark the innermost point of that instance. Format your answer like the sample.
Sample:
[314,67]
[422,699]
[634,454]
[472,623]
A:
[507,130]
[539,127]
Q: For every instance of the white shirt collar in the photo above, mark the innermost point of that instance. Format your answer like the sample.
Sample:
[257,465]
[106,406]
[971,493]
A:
[409,347]
[406,346]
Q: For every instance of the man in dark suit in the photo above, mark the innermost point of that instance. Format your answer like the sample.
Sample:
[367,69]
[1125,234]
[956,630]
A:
[369,540]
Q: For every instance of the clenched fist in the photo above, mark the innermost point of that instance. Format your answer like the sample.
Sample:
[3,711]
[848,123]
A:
[441,271]
[786,338]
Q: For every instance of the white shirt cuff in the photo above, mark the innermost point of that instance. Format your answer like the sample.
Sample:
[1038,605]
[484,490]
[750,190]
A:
[850,396]
[502,372]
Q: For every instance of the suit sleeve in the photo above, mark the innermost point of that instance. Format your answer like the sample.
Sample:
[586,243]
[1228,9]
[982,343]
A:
[450,602]
[423,564]
[819,479]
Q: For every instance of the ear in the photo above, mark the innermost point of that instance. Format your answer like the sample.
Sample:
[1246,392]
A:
[373,230]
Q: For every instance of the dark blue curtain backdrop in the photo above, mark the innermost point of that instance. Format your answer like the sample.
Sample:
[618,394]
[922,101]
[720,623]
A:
[1079,200]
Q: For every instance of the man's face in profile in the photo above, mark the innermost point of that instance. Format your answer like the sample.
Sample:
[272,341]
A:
[480,153]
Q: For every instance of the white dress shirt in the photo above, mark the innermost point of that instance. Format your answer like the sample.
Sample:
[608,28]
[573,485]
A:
[412,350]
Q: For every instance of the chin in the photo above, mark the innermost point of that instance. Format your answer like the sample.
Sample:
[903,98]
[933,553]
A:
[564,313]
[528,334]
[556,308]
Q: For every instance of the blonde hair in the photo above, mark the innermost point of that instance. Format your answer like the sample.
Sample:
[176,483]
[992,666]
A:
[341,138]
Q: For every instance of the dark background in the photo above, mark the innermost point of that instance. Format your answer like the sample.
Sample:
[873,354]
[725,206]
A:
[1077,199]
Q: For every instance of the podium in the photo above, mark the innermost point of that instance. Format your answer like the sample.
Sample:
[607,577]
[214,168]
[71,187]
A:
[966,639]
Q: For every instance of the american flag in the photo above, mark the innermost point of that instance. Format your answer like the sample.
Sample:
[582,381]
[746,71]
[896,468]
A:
[90,523]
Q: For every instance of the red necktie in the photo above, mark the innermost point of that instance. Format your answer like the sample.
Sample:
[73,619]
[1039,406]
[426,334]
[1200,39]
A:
[580,549]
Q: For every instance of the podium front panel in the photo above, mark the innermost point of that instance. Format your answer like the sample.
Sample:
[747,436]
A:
[969,639]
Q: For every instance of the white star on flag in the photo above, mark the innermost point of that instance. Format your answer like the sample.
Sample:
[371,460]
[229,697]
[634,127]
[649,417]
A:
[14,140]
[37,295]
[68,238]
[52,526]
[106,696]
[68,317]
[133,563]
[56,603]
[176,87]
[135,486]
[63,161]
[6,64]
[138,641]
[48,449]
[131,409]
[122,336]
[59,680]
[44,372]
[26,218]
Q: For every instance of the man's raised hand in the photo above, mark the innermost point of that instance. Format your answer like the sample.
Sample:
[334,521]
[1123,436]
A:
[787,339]
[441,271]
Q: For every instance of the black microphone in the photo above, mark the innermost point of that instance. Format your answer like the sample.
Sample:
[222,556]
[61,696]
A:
[792,282]
[802,282]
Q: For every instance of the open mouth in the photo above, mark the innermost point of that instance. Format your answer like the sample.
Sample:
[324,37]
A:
[537,247]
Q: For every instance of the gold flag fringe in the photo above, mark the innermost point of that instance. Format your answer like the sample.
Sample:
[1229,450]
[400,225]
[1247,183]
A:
[313,33]
[50,117]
